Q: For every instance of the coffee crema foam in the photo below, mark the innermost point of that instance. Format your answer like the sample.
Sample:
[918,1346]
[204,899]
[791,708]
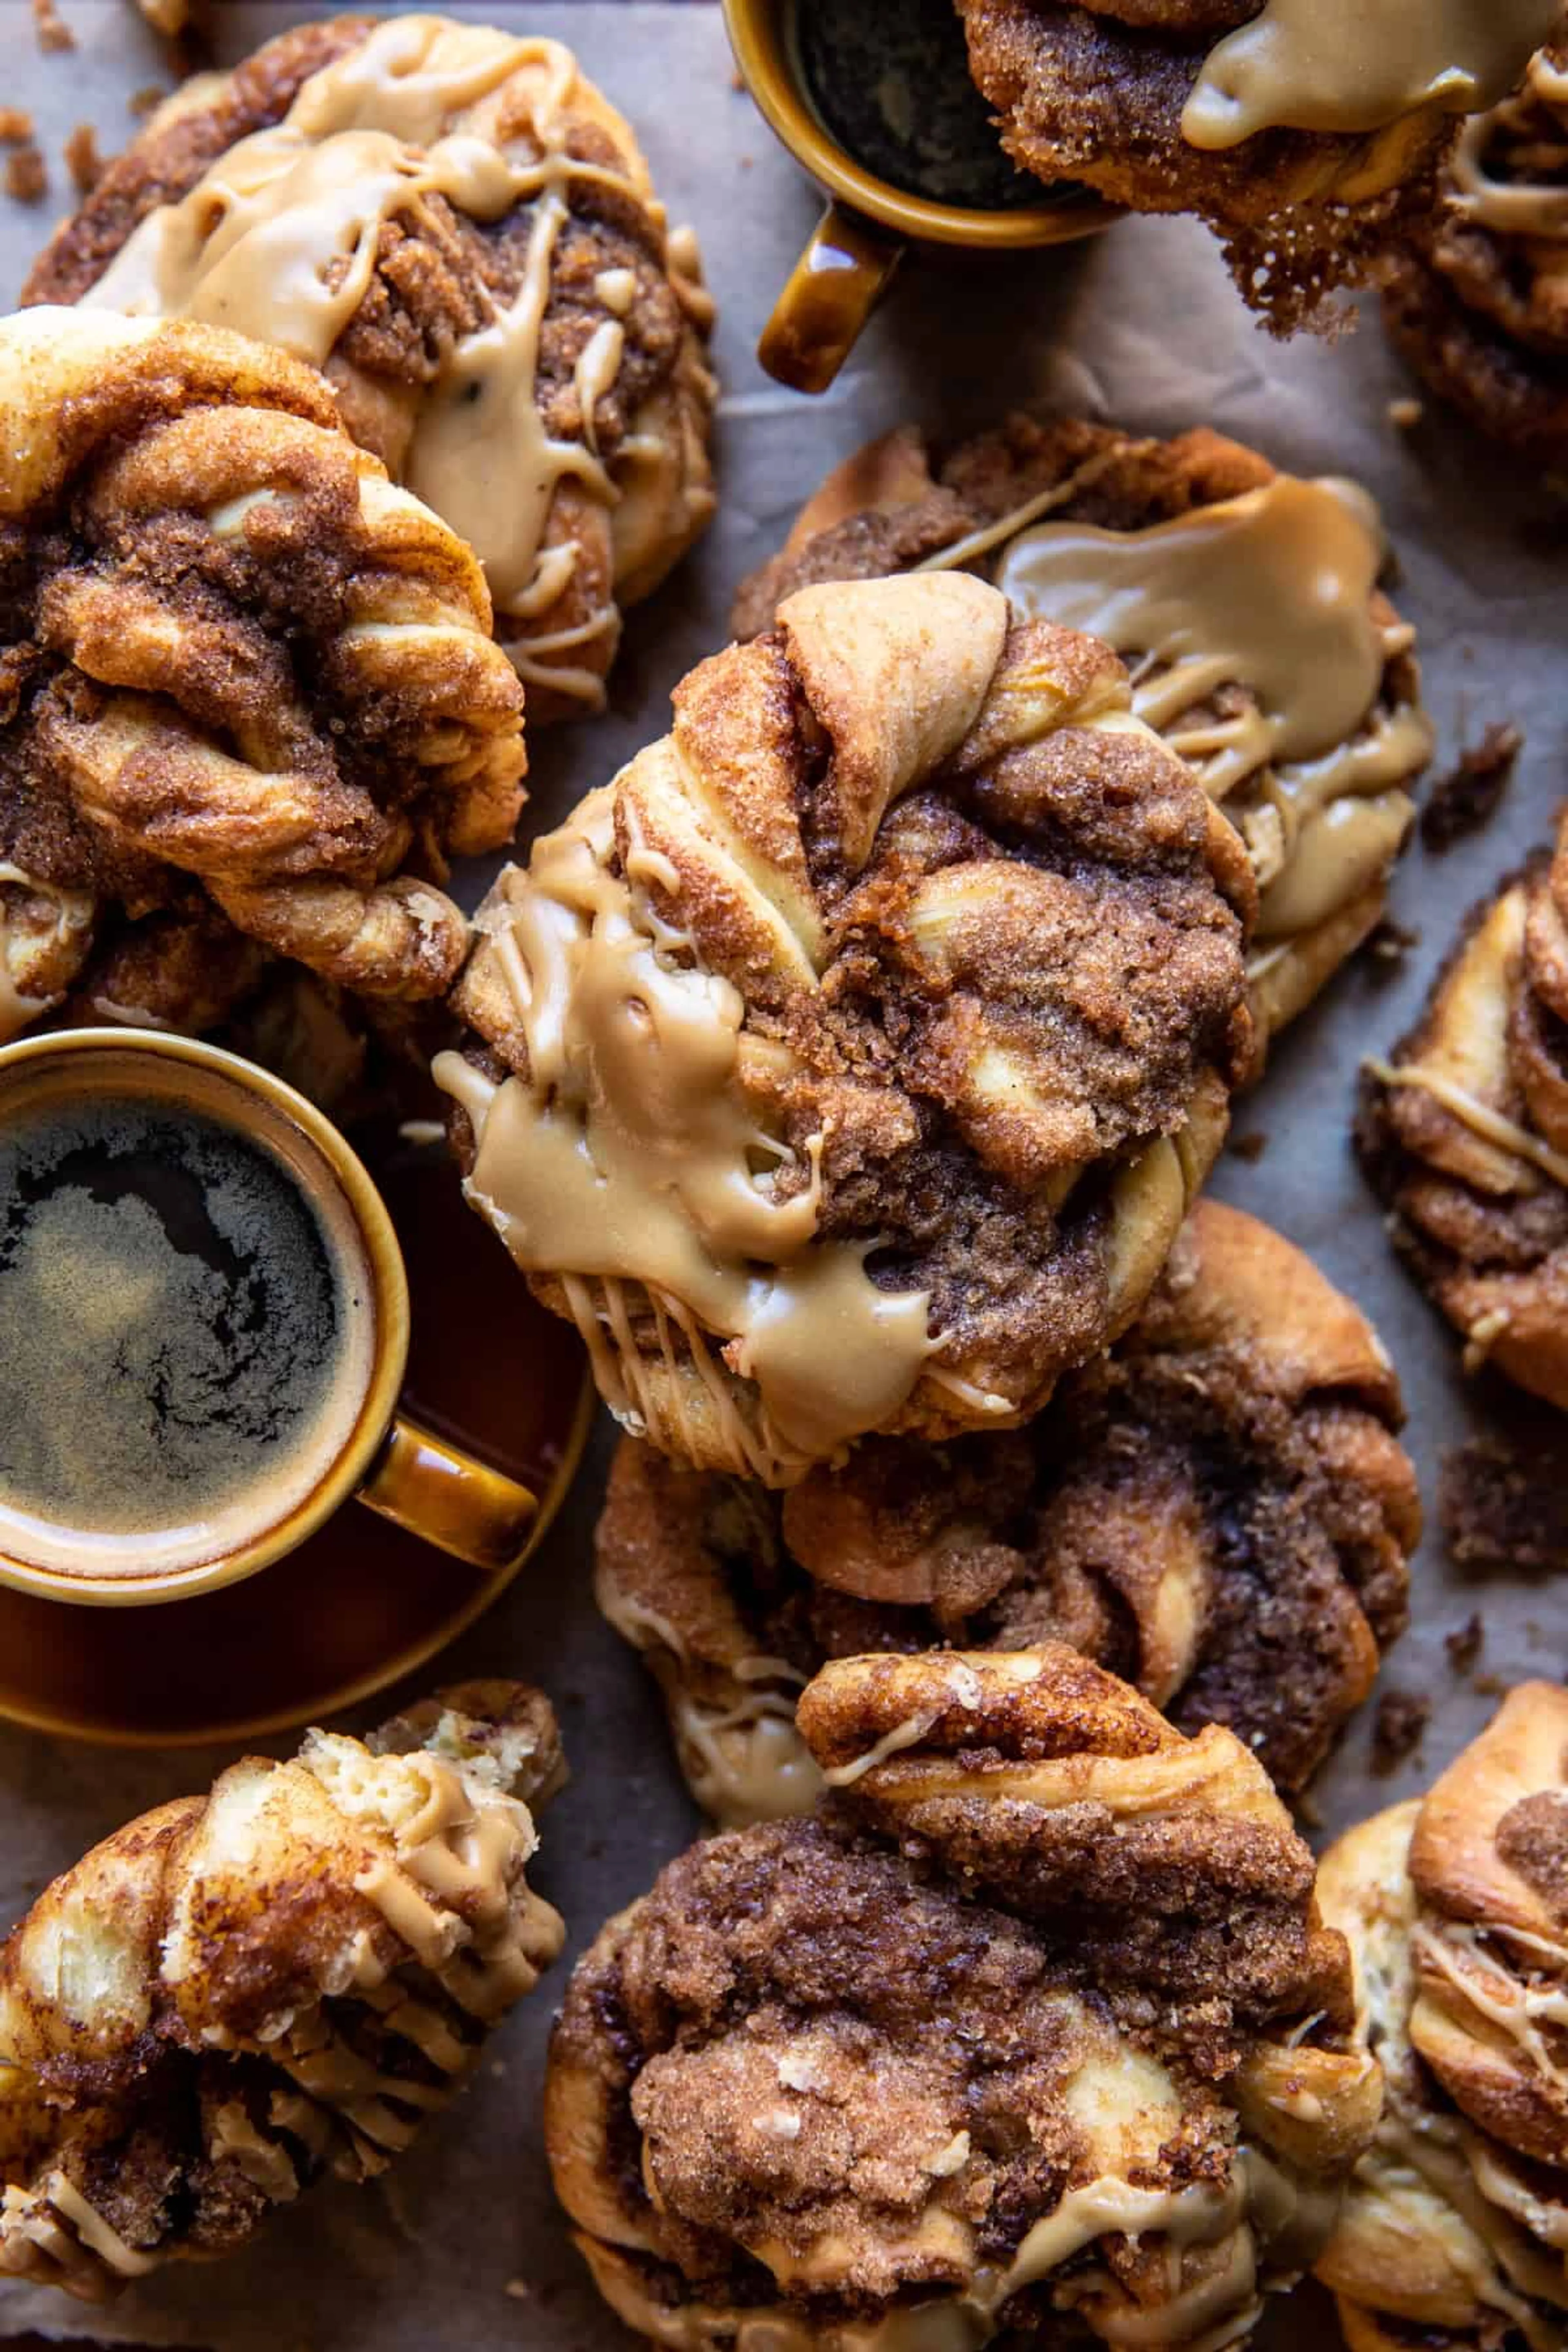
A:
[185,1342]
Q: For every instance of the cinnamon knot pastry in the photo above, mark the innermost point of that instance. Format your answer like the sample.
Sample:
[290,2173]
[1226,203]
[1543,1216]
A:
[848,1063]
[1464,1133]
[458,227]
[1477,296]
[1246,604]
[246,686]
[1219,1511]
[1454,2234]
[242,1994]
[1032,2025]
[1304,131]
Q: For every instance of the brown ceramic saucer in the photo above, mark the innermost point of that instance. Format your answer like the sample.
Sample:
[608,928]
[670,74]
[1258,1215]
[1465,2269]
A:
[360,1602]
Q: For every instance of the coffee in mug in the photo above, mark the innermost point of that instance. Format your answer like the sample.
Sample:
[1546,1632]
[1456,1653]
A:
[186,1330]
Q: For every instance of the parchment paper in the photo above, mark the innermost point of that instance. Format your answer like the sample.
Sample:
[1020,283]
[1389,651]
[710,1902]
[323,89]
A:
[464,2247]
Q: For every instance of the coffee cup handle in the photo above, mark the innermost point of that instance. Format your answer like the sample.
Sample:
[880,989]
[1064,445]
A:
[433,1488]
[831,293]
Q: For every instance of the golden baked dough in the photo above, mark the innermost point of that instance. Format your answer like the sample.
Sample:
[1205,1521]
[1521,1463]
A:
[848,1063]
[246,684]
[1305,132]
[1478,296]
[1464,1132]
[457,226]
[1220,1512]
[244,1992]
[1246,604]
[1455,2235]
[1033,2024]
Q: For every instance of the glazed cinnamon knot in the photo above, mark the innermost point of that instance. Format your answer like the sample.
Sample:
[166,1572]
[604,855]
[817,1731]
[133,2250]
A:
[241,1993]
[1477,297]
[1455,2235]
[1304,133]
[457,226]
[1246,604]
[849,1062]
[1465,1133]
[1219,1511]
[246,684]
[1033,2024]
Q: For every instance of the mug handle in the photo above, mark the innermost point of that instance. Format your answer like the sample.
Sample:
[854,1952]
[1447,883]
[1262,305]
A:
[453,1501]
[831,293]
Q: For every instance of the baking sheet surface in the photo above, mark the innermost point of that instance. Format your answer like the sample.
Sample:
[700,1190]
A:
[461,2246]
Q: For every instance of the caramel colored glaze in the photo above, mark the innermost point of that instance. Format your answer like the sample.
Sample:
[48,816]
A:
[1457,1911]
[923,2069]
[1478,296]
[697,1064]
[1270,592]
[1464,1133]
[1246,605]
[240,1994]
[420,123]
[1220,1513]
[1338,65]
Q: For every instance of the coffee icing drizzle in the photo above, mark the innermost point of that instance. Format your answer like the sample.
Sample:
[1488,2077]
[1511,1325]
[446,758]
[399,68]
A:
[1270,592]
[632,1156]
[279,239]
[1352,66]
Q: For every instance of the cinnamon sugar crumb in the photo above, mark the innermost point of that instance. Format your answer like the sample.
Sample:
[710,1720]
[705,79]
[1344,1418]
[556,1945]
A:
[1465,1644]
[148,98]
[16,126]
[1398,1729]
[53,31]
[26,177]
[83,161]
[1467,798]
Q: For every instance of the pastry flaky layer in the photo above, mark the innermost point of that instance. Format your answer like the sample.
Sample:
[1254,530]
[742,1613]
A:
[1305,132]
[848,1063]
[1219,1511]
[1454,2234]
[243,1993]
[457,226]
[1477,296]
[1246,604]
[1464,1132]
[247,689]
[1033,2023]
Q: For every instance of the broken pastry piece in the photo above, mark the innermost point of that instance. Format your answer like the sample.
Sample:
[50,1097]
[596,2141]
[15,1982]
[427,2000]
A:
[1454,2237]
[247,689]
[1304,131]
[849,1062]
[1219,1511]
[1032,2025]
[1477,296]
[459,229]
[1464,1133]
[243,1993]
[1246,604]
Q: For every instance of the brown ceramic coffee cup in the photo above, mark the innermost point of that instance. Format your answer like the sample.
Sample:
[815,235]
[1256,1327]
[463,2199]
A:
[861,237]
[360,1441]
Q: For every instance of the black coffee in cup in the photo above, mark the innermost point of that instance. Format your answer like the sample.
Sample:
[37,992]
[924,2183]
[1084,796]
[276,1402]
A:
[184,1348]
[889,81]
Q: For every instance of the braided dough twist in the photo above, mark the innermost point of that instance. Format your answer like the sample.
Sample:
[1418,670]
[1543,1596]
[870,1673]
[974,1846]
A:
[453,224]
[1219,1511]
[242,1992]
[242,671]
[849,1062]
[1455,1907]
[1033,2026]
[1464,1134]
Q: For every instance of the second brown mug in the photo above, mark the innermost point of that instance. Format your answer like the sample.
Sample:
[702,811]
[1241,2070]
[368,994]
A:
[858,243]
